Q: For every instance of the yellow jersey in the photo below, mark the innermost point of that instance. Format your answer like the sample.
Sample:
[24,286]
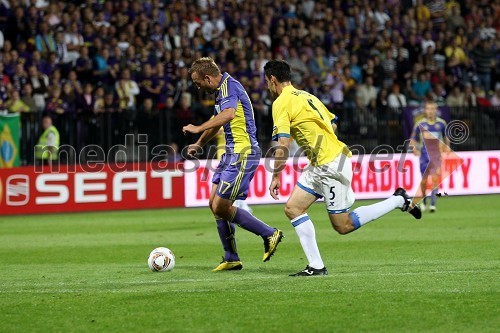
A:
[306,119]
[221,143]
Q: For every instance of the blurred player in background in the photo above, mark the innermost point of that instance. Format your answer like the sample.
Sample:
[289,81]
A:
[428,140]
[298,114]
[221,149]
[234,112]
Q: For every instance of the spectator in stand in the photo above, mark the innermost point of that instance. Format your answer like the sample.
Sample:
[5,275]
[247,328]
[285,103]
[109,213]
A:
[382,102]
[99,100]
[325,96]
[349,88]
[68,97]
[76,85]
[495,99]
[367,94]
[456,99]
[4,93]
[127,90]
[299,67]
[55,103]
[470,99]
[396,99]
[389,65]
[15,103]
[484,59]
[148,122]
[437,94]
[185,115]
[40,84]
[427,42]
[420,88]
[74,41]
[85,101]
[356,70]
[454,19]
[422,12]
[255,92]
[20,78]
[28,98]
[457,60]
[44,40]
[17,26]
[149,85]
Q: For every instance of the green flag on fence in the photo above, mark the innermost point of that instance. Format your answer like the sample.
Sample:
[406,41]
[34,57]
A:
[10,125]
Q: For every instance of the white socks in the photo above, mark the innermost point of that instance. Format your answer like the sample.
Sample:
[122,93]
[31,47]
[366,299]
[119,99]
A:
[307,236]
[364,214]
[360,216]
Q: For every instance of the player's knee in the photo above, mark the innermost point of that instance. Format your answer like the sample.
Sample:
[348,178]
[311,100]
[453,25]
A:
[343,225]
[292,212]
[220,210]
[342,229]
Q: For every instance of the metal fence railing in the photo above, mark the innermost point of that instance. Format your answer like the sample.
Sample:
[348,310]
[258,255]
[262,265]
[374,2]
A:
[368,128]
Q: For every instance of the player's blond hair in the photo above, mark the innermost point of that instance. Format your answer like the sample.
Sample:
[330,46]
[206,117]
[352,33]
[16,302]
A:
[205,66]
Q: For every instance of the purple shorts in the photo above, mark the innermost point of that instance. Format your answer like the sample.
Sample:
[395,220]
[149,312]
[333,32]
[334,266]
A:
[430,166]
[234,174]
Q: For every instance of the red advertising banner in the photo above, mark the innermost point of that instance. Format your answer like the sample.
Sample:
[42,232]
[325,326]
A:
[140,185]
[374,177]
[75,188]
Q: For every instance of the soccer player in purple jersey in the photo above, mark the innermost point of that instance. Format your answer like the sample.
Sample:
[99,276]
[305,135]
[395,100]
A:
[234,112]
[427,140]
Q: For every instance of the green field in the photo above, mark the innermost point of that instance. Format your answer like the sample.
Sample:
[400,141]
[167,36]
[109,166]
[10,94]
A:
[88,273]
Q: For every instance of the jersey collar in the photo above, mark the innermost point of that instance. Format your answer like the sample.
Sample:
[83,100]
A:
[225,76]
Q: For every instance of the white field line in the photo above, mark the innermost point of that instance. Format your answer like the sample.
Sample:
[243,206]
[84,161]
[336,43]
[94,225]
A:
[116,286]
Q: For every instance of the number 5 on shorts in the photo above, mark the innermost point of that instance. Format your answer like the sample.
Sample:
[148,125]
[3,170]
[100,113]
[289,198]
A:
[332,193]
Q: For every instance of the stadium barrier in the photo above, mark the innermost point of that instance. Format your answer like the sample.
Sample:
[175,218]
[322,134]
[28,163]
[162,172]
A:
[360,126]
[28,190]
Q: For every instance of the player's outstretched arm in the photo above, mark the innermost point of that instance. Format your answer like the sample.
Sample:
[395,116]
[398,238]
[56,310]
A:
[280,157]
[216,122]
[205,137]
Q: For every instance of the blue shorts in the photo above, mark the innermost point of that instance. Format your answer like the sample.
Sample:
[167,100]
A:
[234,174]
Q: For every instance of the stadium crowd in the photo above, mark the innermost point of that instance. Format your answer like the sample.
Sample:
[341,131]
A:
[131,58]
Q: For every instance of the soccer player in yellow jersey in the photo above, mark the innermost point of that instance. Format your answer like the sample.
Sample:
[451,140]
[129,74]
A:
[299,115]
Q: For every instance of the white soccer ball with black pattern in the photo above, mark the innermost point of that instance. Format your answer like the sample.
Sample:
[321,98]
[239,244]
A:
[161,259]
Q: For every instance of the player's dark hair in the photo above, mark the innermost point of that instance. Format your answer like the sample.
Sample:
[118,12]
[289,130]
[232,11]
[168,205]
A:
[280,69]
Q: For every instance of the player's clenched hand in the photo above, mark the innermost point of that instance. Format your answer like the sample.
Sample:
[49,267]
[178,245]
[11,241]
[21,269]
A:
[193,149]
[191,129]
[274,188]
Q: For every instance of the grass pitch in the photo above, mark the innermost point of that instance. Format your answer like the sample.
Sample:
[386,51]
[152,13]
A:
[88,273]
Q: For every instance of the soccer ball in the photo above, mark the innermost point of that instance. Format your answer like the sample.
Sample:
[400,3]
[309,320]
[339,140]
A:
[161,259]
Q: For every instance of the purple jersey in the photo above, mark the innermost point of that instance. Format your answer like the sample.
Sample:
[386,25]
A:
[430,134]
[240,133]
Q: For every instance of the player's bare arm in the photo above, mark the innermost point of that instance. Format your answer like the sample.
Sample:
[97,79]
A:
[214,123]
[280,157]
[206,136]
[446,147]
[209,128]
[414,147]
